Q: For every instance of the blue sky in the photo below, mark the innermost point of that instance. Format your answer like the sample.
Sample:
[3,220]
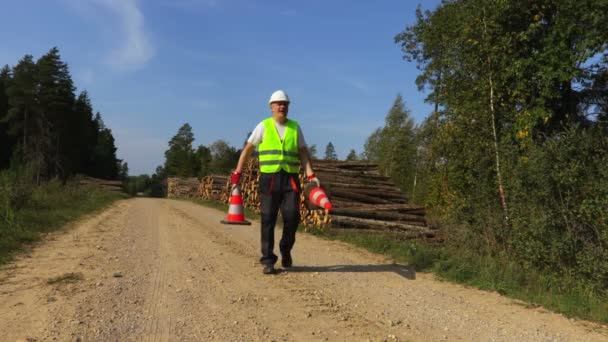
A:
[152,65]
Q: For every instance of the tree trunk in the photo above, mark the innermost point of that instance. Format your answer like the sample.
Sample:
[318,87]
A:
[501,191]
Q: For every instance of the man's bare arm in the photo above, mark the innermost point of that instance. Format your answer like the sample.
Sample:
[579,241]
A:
[306,161]
[244,157]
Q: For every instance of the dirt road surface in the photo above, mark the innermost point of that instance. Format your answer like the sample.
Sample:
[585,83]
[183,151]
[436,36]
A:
[163,270]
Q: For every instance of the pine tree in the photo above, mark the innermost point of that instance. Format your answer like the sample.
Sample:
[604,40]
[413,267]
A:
[105,163]
[330,152]
[312,150]
[26,121]
[393,146]
[224,157]
[352,155]
[56,100]
[179,158]
[44,127]
[6,141]
[202,161]
[371,149]
[85,135]
[123,170]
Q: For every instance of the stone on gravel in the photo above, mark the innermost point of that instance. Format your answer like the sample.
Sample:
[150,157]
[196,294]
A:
[117,275]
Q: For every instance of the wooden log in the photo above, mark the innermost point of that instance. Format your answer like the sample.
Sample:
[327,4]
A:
[363,180]
[355,222]
[377,187]
[397,234]
[386,195]
[387,207]
[377,215]
[358,197]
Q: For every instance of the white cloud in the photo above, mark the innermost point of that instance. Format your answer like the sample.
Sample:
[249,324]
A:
[135,49]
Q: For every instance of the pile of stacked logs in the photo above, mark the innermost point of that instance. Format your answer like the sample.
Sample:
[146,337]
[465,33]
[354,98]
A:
[214,188]
[106,185]
[362,198]
[365,199]
[182,187]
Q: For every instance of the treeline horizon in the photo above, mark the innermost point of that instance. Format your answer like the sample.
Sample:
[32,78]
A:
[48,129]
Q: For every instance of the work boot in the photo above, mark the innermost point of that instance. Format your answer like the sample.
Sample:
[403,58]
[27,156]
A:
[286,261]
[269,269]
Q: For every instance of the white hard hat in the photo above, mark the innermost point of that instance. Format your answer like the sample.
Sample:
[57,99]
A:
[277,96]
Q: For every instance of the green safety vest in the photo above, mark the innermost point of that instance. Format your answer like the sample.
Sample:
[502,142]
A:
[276,155]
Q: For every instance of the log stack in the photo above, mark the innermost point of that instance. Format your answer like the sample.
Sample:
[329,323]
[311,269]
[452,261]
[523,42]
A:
[106,185]
[249,185]
[182,187]
[214,188]
[365,199]
[362,198]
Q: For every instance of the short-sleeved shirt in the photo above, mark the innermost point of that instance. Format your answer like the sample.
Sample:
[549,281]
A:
[257,135]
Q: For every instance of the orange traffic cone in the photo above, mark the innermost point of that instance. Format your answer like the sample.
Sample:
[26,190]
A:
[319,198]
[236,212]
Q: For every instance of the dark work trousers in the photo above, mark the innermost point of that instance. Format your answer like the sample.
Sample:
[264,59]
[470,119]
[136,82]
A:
[279,191]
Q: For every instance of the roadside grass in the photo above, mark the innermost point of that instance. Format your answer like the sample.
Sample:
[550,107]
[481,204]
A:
[66,278]
[48,208]
[491,273]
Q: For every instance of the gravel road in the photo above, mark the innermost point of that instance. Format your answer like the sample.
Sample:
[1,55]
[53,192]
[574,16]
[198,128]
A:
[163,270]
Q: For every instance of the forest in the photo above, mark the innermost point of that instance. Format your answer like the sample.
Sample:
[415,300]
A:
[512,160]
[48,129]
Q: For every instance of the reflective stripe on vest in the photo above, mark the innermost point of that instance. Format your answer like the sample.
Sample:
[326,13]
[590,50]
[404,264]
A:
[276,155]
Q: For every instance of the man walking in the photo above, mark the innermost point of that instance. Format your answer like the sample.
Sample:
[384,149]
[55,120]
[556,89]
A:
[281,149]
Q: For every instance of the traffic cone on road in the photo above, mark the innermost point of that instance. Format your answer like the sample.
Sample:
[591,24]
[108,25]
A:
[318,197]
[236,212]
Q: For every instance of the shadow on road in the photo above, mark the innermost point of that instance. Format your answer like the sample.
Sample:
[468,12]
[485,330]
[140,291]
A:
[405,271]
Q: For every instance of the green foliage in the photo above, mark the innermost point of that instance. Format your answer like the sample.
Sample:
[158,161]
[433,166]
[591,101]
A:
[26,210]
[393,146]
[330,152]
[138,185]
[183,161]
[203,159]
[352,156]
[179,159]
[560,206]
[519,89]
[6,140]
[123,170]
[312,150]
[55,101]
[105,165]
[223,157]
[45,126]
[156,188]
